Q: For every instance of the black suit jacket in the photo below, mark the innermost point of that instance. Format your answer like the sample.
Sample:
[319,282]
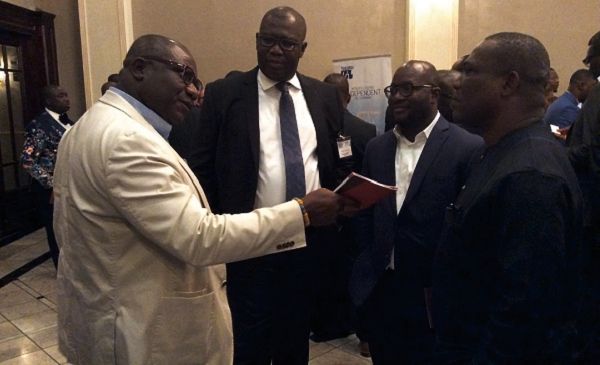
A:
[584,153]
[182,134]
[361,132]
[227,145]
[413,232]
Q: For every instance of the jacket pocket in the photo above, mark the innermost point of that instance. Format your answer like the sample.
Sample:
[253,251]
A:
[183,328]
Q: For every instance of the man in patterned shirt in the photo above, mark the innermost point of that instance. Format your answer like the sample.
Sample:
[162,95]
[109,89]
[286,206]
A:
[42,136]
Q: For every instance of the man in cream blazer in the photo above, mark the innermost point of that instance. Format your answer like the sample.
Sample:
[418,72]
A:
[140,276]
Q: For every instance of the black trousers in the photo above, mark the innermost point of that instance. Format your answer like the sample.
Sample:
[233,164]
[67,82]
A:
[333,315]
[397,322]
[270,301]
[45,214]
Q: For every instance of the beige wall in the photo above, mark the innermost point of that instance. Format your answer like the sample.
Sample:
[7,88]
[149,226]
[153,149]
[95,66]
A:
[103,47]
[68,49]
[564,26]
[220,33]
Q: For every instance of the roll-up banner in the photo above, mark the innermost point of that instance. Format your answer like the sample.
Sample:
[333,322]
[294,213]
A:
[367,76]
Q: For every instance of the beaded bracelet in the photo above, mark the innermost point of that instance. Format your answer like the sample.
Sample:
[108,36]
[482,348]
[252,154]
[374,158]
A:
[304,212]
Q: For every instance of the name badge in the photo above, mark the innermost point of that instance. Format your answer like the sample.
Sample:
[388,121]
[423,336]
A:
[344,145]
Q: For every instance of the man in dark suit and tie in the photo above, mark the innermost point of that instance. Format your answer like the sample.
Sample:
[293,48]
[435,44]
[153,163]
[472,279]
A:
[426,157]
[42,136]
[265,136]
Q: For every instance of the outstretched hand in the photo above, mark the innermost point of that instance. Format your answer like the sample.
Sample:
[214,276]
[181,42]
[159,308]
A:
[324,206]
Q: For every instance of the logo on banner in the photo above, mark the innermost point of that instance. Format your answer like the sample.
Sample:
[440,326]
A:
[347,71]
[365,92]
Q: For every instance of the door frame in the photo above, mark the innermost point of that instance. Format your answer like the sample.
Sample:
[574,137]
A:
[34,32]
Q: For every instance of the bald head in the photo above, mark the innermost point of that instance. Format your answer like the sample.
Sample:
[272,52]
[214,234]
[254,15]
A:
[426,70]
[153,45]
[341,83]
[161,74]
[284,15]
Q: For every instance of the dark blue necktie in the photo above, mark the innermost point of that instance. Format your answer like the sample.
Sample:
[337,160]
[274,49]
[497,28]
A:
[295,186]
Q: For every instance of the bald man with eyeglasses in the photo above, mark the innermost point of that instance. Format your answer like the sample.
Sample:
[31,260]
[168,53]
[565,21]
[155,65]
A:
[426,157]
[265,135]
[141,278]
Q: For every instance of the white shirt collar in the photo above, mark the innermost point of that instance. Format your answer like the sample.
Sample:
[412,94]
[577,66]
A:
[266,83]
[424,134]
[56,117]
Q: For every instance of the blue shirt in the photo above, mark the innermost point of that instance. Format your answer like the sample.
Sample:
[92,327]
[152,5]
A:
[162,127]
[563,111]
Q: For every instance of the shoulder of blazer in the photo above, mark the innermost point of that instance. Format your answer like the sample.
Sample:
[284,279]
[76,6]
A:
[382,140]
[313,85]
[45,122]
[223,90]
[463,138]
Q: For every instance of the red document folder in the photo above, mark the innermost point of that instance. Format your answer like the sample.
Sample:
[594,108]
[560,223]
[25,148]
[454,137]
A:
[364,190]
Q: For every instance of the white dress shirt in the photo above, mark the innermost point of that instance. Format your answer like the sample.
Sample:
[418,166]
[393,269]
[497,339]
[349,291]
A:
[56,117]
[270,189]
[407,157]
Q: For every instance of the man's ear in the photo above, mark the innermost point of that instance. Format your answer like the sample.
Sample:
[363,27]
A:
[512,82]
[137,67]
[303,48]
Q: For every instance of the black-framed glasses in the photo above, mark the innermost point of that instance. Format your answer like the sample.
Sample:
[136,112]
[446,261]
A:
[186,73]
[284,43]
[405,89]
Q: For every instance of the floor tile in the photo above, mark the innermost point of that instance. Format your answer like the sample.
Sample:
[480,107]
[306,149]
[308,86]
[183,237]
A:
[26,288]
[14,297]
[48,303]
[9,332]
[16,347]
[23,310]
[36,321]
[318,348]
[34,358]
[351,346]
[7,289]
[52,297]
[42,284]
[55,353]
[45,338]
[339,357]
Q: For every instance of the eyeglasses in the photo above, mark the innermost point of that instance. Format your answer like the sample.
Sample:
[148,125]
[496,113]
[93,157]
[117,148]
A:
[405,89]
[284,43]
[186,73]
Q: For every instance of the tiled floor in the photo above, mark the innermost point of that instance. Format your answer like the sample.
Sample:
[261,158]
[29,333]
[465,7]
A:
[28,314]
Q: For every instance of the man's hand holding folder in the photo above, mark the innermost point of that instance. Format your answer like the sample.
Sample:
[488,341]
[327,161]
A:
[363,190]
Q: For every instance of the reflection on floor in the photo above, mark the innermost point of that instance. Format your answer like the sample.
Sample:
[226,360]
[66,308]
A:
[28,314]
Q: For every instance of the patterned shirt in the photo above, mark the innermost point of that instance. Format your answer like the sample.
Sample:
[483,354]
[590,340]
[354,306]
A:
[42,136]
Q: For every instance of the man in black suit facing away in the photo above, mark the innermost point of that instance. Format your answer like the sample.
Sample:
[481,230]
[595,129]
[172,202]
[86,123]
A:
[360,131]
[507,272]
[426,157]
[265,135]
[42,136]
[339,318]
